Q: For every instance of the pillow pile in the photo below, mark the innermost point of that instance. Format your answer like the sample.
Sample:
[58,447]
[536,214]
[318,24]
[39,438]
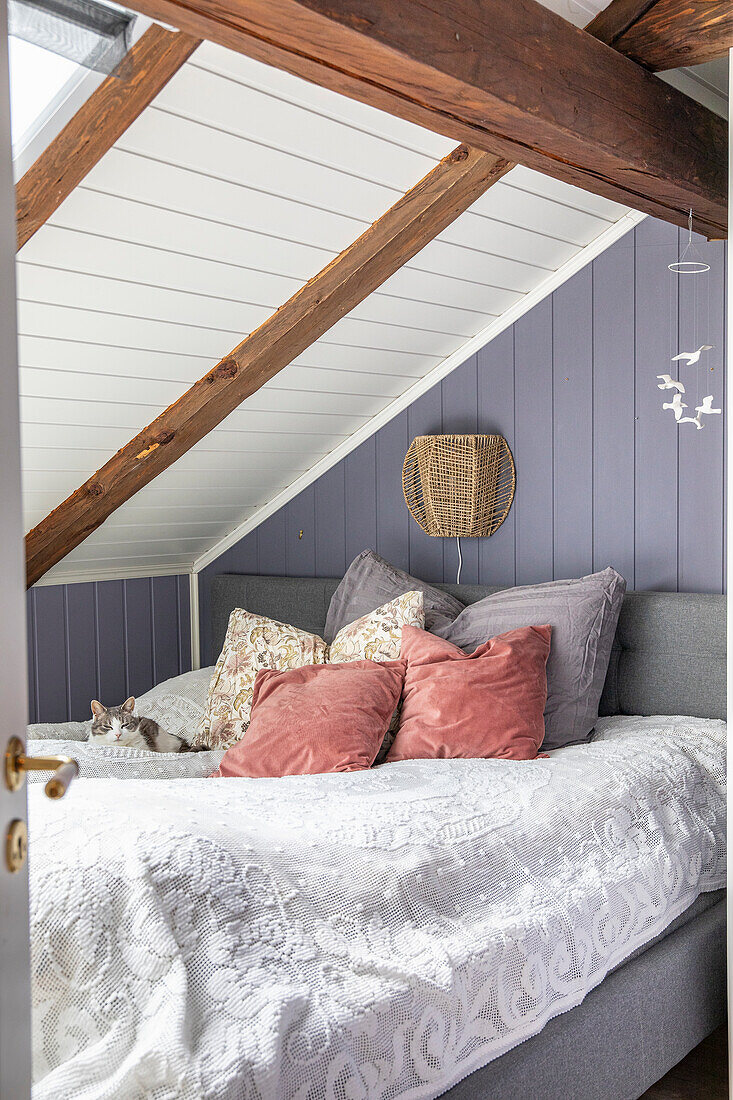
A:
[583,614]
[519,670]
[254,642]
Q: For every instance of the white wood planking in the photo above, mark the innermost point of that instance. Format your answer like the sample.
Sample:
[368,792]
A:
[233,188]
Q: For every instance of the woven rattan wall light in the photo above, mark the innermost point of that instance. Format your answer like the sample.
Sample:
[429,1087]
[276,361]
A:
[459,486]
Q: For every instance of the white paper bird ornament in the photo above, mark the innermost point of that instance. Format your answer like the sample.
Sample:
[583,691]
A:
[692,357]
[676,405]
[668,383]
[701,411]
[706,407]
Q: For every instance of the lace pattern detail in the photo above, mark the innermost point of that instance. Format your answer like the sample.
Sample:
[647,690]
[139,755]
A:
[371,934]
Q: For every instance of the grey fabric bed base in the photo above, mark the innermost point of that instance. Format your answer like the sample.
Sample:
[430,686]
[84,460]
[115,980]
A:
[668,656]
[628,1032]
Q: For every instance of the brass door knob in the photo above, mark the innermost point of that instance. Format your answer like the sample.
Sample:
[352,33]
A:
[17,764]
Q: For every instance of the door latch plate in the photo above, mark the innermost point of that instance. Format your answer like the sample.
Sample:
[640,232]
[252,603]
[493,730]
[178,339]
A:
[16,845]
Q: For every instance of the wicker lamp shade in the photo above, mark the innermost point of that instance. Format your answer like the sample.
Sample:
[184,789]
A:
[459,486]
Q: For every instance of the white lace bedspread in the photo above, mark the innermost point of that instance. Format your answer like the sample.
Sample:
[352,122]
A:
[374,934]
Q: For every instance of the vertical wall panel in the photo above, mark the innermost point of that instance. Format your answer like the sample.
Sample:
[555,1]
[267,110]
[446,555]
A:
[301,550]
[656,430]
[271,536]
[138,605]
[425,417]
[30,608]
[111,642]
[51,662]
[330,519]
[361,498]
[533,501]
[460,417]
[614,409]
[572,401]
[82,653]
[496,417]
[183,597]
[392,514]
[701,301]
[165,614]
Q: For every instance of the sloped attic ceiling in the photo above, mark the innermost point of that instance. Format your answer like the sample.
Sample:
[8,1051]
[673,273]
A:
[235,186]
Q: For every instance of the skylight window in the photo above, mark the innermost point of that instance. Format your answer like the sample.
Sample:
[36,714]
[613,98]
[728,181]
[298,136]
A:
[38,79]
[60,50]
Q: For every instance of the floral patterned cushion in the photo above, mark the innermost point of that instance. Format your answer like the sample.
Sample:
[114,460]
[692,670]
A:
[254,642]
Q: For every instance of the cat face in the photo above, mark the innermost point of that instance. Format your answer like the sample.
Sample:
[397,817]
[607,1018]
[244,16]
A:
[115,725]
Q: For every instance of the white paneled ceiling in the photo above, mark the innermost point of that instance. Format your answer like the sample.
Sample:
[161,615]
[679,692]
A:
[235,186]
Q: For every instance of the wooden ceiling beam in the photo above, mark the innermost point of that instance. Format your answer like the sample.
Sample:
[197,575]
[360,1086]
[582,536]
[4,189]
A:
[665,34]
[507,76]
[419,216]
[100,121]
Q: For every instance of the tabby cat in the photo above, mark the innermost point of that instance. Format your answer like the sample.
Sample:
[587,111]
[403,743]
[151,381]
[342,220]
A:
[120,726]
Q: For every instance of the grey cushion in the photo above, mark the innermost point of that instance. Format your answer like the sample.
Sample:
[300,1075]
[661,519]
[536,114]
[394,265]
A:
[583,615]
[370,581]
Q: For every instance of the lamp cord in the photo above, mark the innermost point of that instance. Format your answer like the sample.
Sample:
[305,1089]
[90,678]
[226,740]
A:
[460,560]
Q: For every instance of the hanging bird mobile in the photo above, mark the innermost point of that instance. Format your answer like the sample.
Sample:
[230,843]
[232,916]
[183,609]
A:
[689,263]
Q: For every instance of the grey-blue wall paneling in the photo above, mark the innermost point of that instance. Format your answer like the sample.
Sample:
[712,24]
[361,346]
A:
[271,544]
[656,430]
[82,648]
[424,417]
[700,527]
[30,611]
[111,642]
[614,409]
[601,479]
[103,639]
[361,498]
[51,654]
[460,417]
[166,638]
[496,417]
[183,592]
[138,605]
[533,432]
[301,534]
[392,514]
[330,519]
[572,403]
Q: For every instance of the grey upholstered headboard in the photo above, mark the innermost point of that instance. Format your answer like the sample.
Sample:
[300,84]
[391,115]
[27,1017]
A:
[669,656]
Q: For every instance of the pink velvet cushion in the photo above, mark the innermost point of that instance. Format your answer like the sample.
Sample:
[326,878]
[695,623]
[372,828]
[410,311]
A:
[318,718]
[486,703]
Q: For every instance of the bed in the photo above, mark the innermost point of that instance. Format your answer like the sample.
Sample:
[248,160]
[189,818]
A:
[505,929]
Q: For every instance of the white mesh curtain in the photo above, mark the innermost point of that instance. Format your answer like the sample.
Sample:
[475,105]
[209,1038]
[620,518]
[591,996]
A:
[91,34]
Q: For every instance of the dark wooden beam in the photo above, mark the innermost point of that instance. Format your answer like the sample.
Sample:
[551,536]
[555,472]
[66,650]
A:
[97,125]
[617,17]
[664,34]
[507,76]
[419,216]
